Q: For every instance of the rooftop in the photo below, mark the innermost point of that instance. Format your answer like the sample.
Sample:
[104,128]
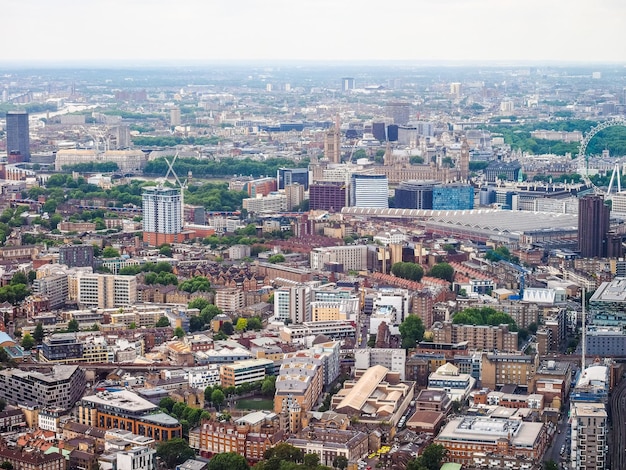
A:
[123,399]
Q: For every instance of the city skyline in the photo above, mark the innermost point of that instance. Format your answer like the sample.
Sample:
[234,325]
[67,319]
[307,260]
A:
[142,31]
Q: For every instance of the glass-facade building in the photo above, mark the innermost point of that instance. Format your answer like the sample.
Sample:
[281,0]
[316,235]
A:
[453,197]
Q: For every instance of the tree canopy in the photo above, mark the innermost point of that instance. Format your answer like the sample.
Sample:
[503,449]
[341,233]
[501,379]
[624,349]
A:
[442,271]
[174,452]
[411,331]
[410,271]
[431,458]
[228,461]
[484,316]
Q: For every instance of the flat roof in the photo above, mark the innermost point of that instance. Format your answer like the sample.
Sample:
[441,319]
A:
[122,399]
[488,430]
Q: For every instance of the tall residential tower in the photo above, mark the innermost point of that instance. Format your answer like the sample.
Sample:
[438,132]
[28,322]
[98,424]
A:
[162,215]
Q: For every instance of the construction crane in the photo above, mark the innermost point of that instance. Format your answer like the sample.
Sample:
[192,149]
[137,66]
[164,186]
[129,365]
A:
[182,186]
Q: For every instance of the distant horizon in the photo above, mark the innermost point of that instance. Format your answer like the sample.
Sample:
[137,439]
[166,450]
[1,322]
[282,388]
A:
[165,63]
[344,31]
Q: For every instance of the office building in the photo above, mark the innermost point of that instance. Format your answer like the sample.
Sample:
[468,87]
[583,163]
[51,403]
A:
[455,196]
[106,290]
[127,161]
[287,176]
[348,258]
[175,118]
[250,436]
[127,411]
[481,442]
[414,195]
[589,436]
[379,131]
[478,337]
[294,194]
[607,305]
[375,395]
[400,112]
[273,202]
[327,196]
[18,137]
[293,304]
[241,372]
[331,443]
[54,287]
[61,388]
[593,226]
[503,369]
[370,191]
[76,255]
[162,215]
[392,359]
[347,84]
[448,379]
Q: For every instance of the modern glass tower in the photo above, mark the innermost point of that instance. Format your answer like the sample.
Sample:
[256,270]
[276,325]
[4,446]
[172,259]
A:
[18,138]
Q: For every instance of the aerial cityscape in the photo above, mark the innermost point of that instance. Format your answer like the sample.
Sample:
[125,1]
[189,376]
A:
[322,235]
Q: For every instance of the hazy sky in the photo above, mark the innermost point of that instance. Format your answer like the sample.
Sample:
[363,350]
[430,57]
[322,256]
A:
[411,30]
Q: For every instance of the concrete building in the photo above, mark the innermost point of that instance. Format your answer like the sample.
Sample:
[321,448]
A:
[329,444]
[589,436]
[336,330]
[375,395]
[229,300]
[250,436]
[271,203]
[162,215]
[55,287]
[349,258]
[127,411]
[480,337]
[106,290]
[137,458]
[128,161]
[371,191]
[392,359]
[247,371]
[502,369]
[60,388]
[300,380]
[479,442]
[76,255]
[292,303]
[18,135]
[447,378]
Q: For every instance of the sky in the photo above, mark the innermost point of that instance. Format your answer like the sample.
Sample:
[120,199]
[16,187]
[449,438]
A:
[153,31]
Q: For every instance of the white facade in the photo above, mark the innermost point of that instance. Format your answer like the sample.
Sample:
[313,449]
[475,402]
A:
[138,458]
[352,257]
[399,299]
[371,191]
[162,210]
[293,303]
[392,359]
[271,203]
[205,377]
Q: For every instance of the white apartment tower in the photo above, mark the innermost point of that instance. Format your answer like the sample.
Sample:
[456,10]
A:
[293,303]
[162,215]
